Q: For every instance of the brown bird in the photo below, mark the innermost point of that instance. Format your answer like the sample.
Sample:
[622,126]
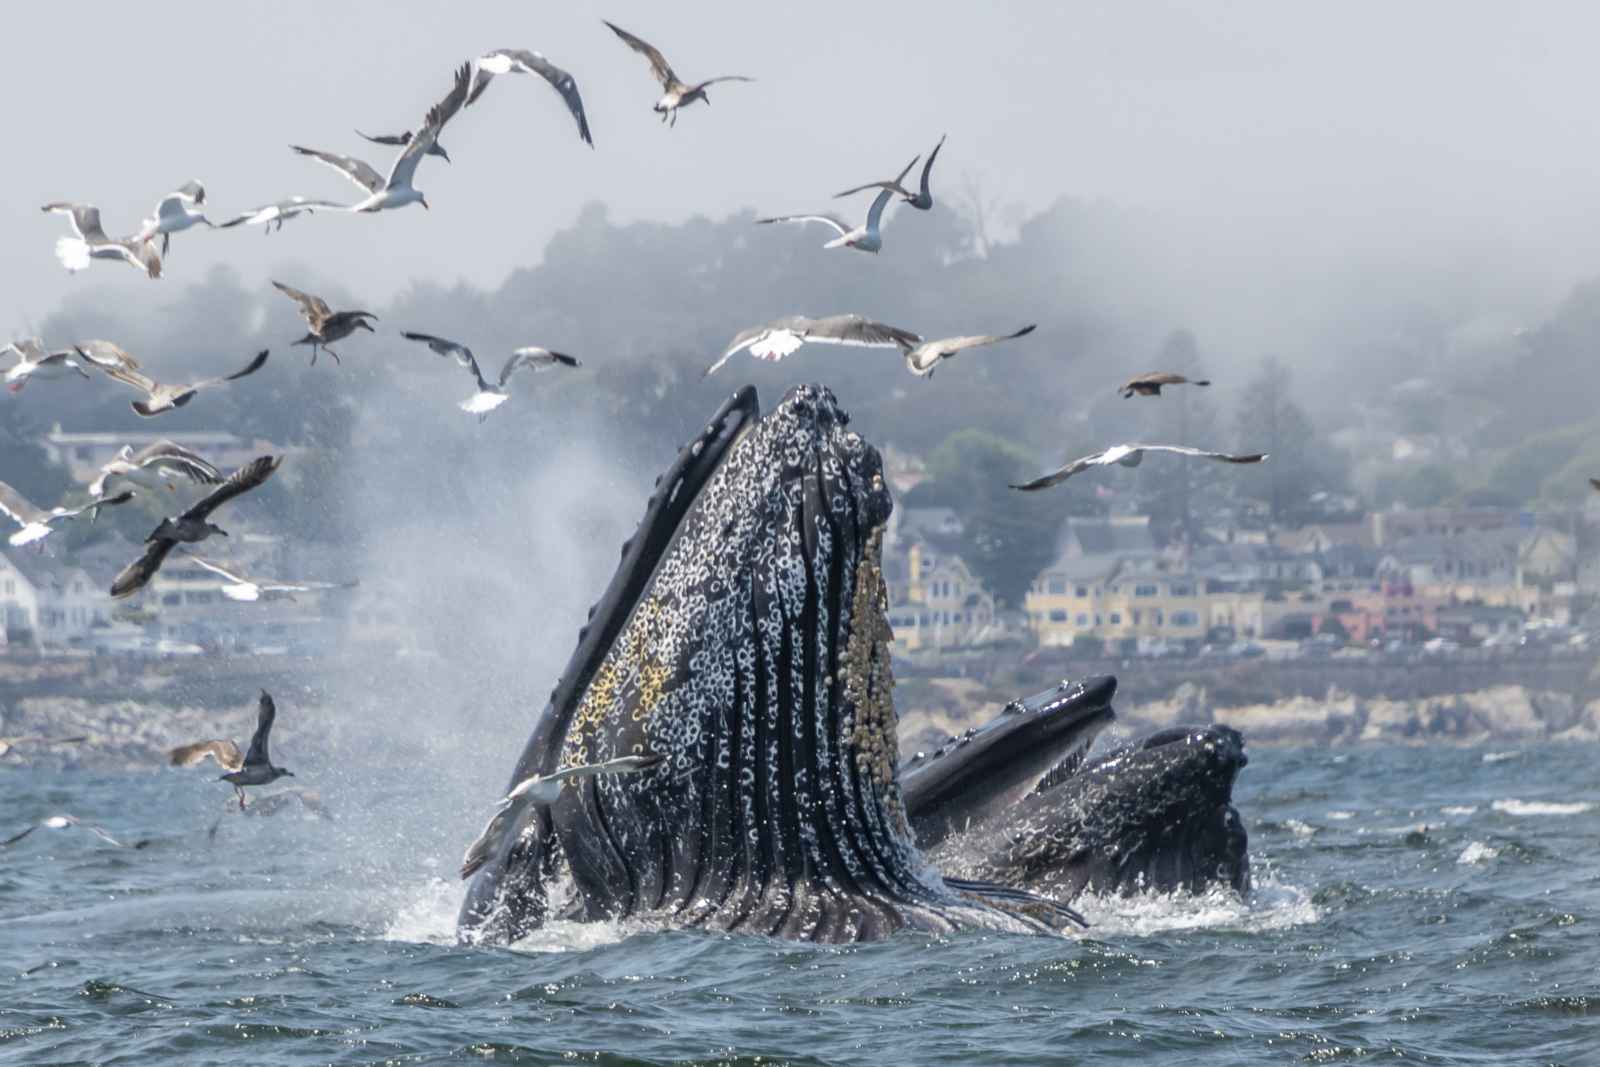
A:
[675,92]
[1150,384]
[326,325]
[191,526]
[244,768]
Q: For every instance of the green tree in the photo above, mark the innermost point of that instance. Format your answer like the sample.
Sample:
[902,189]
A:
[1008,537]
[1300,464]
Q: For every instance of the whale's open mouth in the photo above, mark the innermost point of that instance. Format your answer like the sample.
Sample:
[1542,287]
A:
[744,638]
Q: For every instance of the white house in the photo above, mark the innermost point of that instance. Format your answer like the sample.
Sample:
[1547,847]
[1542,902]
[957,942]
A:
[48,602]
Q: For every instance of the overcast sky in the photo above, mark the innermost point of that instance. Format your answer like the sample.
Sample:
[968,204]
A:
[1361,128]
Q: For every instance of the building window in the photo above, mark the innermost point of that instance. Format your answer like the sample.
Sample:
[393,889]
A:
[1057,615]
[1182,589]
[1116,617]
[1056,586]
[1144,590]
[1184,618]
[1135,616]
[1083,590]
[1083,620]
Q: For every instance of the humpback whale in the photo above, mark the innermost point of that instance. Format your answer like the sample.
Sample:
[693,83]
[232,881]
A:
[744,640]
[1155,815]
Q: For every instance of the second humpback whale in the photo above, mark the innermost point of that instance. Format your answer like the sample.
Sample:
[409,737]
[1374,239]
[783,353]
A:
[744,639]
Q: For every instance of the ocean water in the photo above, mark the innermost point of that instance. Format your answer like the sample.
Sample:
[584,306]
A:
[1432,905]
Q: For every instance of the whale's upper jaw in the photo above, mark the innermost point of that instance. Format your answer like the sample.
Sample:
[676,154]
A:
[987,769]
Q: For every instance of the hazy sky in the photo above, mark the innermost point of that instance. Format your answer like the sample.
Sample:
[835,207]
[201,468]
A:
[1367,128]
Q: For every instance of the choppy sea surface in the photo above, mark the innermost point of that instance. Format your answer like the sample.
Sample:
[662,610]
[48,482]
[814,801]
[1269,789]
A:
[1434,905]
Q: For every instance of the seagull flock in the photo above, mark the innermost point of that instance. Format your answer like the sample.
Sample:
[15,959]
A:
[165,468]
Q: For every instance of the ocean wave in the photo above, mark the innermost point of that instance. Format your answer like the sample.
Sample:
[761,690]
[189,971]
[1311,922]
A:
[1476,852]
[1271,905]
[1513,806]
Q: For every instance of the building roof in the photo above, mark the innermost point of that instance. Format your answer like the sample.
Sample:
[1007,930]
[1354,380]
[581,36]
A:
[1108,537]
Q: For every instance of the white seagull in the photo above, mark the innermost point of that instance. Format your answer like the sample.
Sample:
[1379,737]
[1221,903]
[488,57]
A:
[781,337]
[396,190]
[34,362]
[91,242]
[273,216]
[177,211]
[158,398]
[922,359]
[1132,456]
[488,397]
[250,590]
[675,92]
[539,789]
[62,822]
[863,238]
[522,61]
[153,467]
[36,523]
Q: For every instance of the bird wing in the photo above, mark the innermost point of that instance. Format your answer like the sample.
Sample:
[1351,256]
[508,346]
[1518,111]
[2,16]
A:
[836,223]
[168,456]
[875,212]
[313,309]
[28,350]
[535,358]
[172,205]
[393,140]
[927,168]
[1060,475]
[217,569]
[226,753]
[137,575]
[1155,378]
[124,369]
[14,838]
[856,330]
[1200,453]
[105,835]
[63,358]
[268,212]
[356,170]
[442,345]
[658,62]
[192,191]
[240,481]
[250,368]
[951,345]
[405,164]
[721,78]
[265,713]
[17,507]
[93,505]
[559,79]
[894,187]
[85,219]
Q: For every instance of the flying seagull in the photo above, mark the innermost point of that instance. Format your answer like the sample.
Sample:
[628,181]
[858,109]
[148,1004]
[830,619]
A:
[396,190]
[401,139]
[490,396]
[250,590]
[1150,384]
[780,337]
[252,768]
[325,324]
[863,238]
[522,61]
[1131,456]
[273,216]
[9,743]
[539,789]
[34,362]
[675,93]
[62,822]
[191,525]
[91,242]
[36,523]
[176,211]
[922,359]
[158,398]
[153,467]
[921,200]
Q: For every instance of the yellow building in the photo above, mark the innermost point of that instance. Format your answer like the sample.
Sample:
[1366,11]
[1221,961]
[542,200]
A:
[935,601]
[1146,600]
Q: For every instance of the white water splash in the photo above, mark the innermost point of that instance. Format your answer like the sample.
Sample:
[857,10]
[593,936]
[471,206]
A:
[1459,809]
[1271,905]
[427,914]
[1341,816]
[1513,806]
[1476,852]
[1496,757]
[1298,828]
